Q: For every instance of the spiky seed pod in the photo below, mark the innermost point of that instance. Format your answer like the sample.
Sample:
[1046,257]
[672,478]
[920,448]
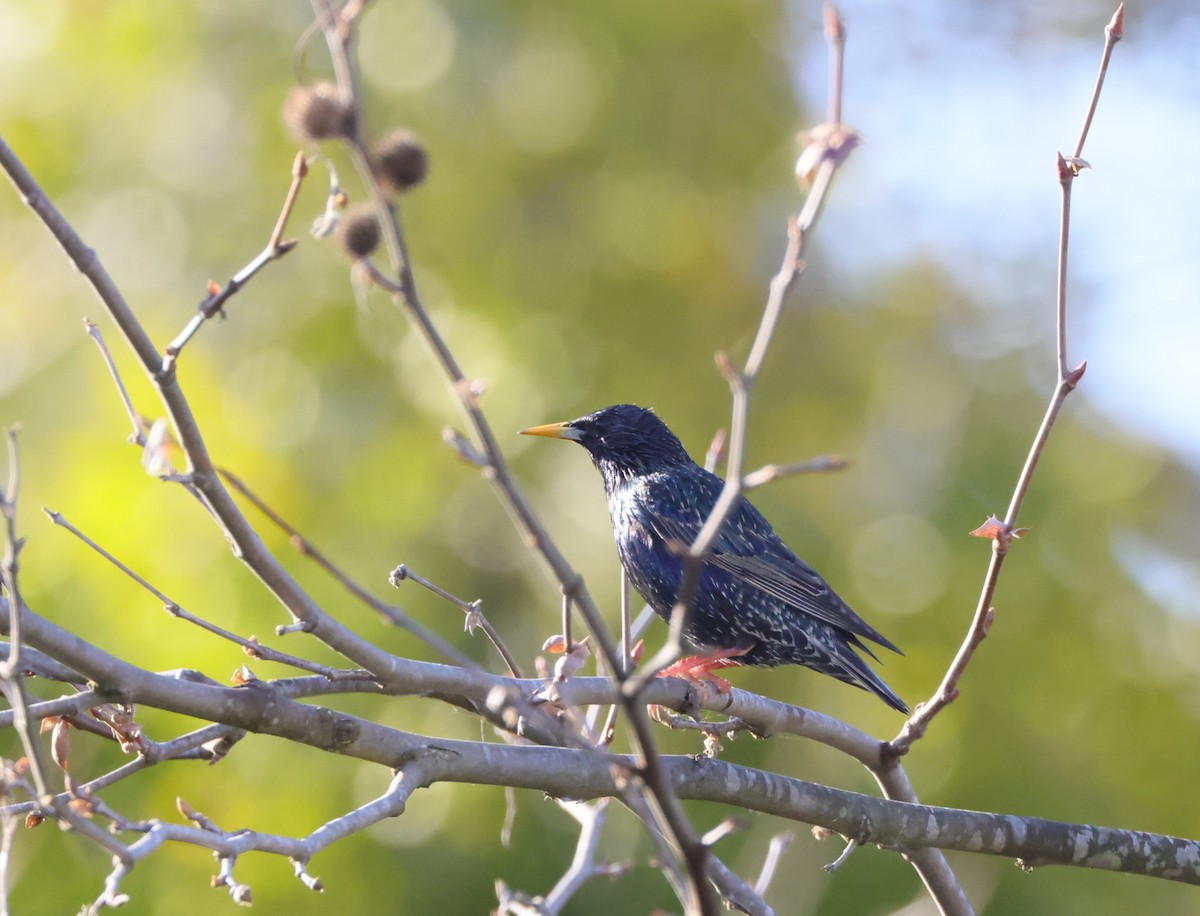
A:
[317,112]
[399,160]
[357,233]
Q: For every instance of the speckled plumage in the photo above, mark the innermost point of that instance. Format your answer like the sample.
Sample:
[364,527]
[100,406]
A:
[753,593]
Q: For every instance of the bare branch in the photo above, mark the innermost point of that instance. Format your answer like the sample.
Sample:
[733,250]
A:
[473,610]
[1113,32]
[251,646]
[8,561]
[779,845]
[8,828]
[247,546]
[137,437]
[393,614]
[1002,533]
[217,296]
[584,867]
[771,472]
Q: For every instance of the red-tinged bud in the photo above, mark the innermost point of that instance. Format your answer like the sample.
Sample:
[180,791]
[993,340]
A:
[1116,26]
[60,743]
[1076,374]
[186,811]
[243,676]
[1065,172]
[835,30]
[993,528]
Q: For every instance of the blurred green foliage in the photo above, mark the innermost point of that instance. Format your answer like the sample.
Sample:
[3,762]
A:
[608,194]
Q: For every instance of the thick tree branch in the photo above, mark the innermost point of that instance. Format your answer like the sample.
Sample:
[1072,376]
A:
[582,773]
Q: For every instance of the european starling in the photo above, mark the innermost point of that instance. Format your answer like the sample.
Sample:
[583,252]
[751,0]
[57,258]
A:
[756,602]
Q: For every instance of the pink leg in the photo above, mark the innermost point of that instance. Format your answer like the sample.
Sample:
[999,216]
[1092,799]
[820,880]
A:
[699,668]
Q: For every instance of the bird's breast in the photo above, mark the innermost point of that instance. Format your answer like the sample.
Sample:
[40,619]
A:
[649,563]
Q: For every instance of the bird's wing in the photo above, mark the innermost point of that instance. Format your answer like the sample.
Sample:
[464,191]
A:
[749,549]
[799,586]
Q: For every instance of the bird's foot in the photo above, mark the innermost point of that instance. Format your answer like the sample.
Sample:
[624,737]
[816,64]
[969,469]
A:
[697,670]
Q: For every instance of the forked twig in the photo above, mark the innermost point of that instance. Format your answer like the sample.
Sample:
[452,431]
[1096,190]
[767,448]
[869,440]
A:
[392,613]
[473,610]
[276,248]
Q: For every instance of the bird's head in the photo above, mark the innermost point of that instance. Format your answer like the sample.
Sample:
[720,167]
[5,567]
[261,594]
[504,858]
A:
[624,441]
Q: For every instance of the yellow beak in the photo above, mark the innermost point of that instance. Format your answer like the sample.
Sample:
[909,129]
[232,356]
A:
[553,431]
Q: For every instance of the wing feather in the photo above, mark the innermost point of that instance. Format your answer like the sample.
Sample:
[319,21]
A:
[748,549]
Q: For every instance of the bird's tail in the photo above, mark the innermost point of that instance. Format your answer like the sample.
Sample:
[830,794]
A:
[849,667]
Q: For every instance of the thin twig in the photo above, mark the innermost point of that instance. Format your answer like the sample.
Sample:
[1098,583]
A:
[827,148]
[779,845]
[12,680]
[1002,532]
[835,37]
[403,289]
[138,436]
[726,827]
[276,248]
[9,562]
[591,818]
[8,828]
[851,845]
[306,548]
[251,646]
[771,472]
[1113,32]
[626,625]
[568,640]
[473,610]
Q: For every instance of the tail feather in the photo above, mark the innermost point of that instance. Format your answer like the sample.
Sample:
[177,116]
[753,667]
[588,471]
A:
[849,667]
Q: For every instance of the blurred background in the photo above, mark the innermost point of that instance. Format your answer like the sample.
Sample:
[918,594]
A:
[607,200]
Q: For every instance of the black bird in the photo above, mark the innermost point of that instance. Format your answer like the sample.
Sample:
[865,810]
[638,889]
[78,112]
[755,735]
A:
[756,602]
